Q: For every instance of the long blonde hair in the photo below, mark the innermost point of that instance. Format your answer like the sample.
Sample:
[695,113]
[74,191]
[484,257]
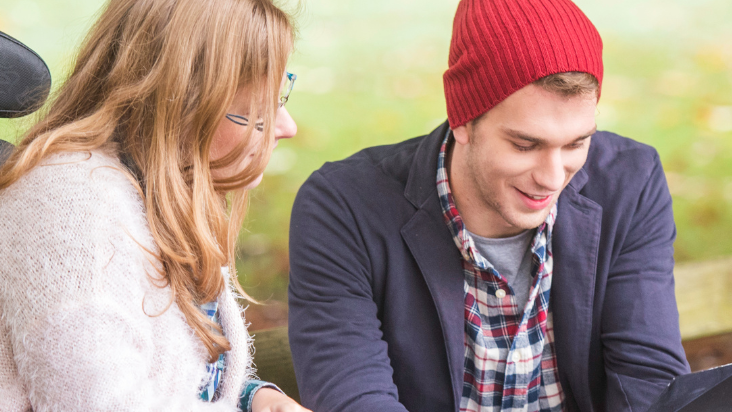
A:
[151,83]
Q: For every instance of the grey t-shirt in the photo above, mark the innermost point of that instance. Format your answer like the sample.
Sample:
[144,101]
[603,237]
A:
[511,257]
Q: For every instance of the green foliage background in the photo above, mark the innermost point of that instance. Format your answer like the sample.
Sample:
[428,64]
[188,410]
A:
[371,73]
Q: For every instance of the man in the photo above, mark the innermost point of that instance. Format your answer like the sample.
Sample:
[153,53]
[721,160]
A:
[513,260]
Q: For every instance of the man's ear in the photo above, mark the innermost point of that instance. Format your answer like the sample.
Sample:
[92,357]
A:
[461,134]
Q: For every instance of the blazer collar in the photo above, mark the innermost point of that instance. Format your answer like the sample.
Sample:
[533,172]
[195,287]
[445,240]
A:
[422,180]
[578,181]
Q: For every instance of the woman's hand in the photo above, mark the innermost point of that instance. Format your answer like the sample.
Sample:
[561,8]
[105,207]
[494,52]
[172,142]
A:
[270,400]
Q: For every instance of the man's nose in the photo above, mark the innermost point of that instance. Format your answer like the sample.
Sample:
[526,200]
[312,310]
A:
[550,173]
[285,126]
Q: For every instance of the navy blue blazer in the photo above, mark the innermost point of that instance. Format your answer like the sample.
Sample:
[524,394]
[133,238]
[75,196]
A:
[376,284]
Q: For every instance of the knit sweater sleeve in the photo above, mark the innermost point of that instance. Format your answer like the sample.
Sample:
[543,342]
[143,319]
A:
[76,296]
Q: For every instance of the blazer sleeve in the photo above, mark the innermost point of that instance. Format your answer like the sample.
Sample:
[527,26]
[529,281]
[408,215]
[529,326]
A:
[640,320]
[341,361]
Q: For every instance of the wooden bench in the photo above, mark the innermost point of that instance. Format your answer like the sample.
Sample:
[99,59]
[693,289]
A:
[704,297]
[273,360]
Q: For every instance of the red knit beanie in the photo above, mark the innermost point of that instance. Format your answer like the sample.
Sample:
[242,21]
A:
[500,46]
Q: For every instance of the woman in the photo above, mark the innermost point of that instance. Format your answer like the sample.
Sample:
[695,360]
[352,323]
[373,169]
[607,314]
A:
[119,209]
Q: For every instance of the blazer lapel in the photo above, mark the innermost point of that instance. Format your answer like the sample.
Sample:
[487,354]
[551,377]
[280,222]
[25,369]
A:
[575,245]
[438,258]
[430,242]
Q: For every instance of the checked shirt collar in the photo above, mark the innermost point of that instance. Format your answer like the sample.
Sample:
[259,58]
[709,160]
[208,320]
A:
[510,361]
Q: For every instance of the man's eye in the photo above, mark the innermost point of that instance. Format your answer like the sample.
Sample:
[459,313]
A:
[522,148]
[576,145]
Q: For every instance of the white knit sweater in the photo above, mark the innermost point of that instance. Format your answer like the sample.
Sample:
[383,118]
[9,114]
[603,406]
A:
[82,326]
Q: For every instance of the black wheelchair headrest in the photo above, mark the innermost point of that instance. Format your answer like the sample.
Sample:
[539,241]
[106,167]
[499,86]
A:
[24,78]
[5,150]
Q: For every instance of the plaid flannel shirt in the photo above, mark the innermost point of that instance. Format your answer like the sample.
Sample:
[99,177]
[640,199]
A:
[510,362]
[214,370]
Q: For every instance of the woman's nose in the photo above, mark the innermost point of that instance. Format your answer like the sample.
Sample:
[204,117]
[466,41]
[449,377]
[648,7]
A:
[285,126]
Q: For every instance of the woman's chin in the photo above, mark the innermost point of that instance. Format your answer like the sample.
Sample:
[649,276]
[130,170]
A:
[254,183]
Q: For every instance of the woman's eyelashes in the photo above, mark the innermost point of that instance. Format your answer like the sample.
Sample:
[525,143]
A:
[244,121]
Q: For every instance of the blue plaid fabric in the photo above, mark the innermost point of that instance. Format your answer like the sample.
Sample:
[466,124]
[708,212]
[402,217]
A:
[510,361]
[207,390]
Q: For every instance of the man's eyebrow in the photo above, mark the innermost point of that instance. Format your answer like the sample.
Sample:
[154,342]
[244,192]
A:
[538,140]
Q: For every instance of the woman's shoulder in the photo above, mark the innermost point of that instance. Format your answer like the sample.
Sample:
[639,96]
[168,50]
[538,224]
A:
[74,209]
[78,171]
[70,184]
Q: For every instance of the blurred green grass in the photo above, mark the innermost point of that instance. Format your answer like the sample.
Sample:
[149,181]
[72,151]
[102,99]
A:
[371,73]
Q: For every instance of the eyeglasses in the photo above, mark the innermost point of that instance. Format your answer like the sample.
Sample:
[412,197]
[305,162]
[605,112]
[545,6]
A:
[284,96]
[285,92]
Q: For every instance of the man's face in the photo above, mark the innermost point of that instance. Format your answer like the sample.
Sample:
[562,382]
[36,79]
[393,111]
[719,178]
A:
[508,168]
